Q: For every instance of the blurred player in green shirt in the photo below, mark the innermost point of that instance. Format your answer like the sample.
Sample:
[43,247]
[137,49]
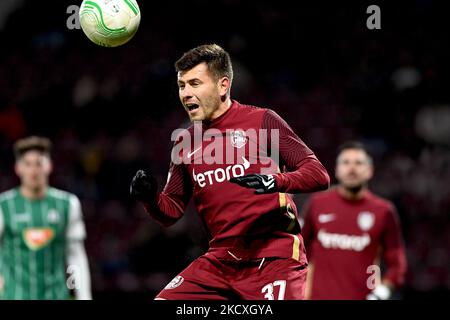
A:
[42,253]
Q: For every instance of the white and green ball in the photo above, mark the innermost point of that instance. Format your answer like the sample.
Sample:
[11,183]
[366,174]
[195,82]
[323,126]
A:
[109,23]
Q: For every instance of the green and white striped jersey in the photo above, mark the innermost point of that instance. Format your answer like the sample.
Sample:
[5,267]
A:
[33,238]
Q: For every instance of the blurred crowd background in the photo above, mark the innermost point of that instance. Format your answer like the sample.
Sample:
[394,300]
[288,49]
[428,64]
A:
[110,112]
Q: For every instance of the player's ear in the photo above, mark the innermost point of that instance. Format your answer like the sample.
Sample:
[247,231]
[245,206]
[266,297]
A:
[224,85]
[17,168]
[371,171]
[336,172]
[50,166]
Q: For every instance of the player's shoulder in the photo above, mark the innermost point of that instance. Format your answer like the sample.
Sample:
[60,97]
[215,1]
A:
[268,117]
[8,194]
[384,206]
[251,109]
[379,200]
[325,195]
[61,194]
[184,134]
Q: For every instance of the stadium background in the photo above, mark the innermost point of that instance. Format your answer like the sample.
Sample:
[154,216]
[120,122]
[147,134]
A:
[110,112]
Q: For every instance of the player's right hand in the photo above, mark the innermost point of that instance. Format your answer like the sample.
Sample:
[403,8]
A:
[381,292]
[143,186]
[261,182]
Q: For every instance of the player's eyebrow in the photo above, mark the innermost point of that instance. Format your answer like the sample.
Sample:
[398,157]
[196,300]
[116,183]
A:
[193,80]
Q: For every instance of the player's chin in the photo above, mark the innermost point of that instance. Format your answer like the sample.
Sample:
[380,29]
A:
[197,117]
[354,186]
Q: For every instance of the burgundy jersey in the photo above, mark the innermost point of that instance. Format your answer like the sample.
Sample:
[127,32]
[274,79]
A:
[344,237]
[241,224]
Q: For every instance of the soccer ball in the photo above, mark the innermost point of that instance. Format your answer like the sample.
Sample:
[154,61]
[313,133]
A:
[109,23]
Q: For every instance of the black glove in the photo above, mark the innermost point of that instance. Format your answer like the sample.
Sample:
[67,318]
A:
[262,183]
[143,186]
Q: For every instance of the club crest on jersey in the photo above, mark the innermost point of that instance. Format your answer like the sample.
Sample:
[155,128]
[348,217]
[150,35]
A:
[176,282]
[366,220]
[238,139]
[37,238]
[53,216]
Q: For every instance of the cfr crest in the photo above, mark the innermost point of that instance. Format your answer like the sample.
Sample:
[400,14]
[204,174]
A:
[238,138]
[366,220]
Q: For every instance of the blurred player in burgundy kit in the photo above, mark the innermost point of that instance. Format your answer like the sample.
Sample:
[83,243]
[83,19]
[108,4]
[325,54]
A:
[347,229]
[256,250]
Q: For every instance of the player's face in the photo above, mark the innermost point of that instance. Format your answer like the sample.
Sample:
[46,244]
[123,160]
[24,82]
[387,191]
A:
[200,93]
[33,169]
[353,168]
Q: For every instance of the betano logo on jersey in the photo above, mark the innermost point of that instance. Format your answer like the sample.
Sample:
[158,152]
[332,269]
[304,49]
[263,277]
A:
[220,175]
[343,241]
[37,238]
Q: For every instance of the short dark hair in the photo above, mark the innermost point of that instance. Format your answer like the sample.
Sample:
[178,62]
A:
[24,145]
[354,144]
[215,57]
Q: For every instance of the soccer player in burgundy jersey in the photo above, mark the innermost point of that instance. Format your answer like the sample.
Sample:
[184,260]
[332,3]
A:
[256,249]
[347,230]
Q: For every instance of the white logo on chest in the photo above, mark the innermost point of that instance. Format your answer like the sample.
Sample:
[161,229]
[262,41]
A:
[53,216]
[343,241]
[220,175]
[238,138]
[366,220]
[326,217]
[190,153]
[21,217]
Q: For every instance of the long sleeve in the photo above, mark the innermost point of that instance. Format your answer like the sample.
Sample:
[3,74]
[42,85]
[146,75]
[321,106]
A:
[305,172]
[394,251]
[2,225]
[75,253]
[308,232]
[170,204]
[78,265]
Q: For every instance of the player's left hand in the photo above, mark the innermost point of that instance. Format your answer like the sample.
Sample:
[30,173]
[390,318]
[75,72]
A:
[261,182]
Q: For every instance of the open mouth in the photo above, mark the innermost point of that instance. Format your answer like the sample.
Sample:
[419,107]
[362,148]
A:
[192,106]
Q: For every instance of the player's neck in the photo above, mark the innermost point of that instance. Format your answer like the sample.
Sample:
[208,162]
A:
[352,194]
[223,107]
[33,194]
